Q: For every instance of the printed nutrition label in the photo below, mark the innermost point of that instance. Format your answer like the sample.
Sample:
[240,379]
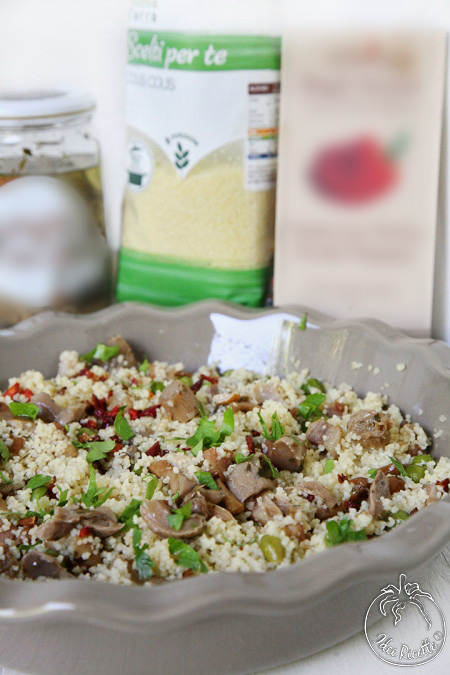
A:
[262,135]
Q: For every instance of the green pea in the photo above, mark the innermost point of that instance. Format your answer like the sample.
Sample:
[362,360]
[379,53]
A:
[187,380]
[272,548]
[399,515]
[415,472]
[422,459]
[157,386]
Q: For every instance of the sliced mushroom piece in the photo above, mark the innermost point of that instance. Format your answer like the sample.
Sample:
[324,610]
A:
[102,521]
[243,406]
[178,402]
[323,433]
[286,453]
[265,509]
[396,484]
[245,479]
[226,398]
[59,526]
[378,489]
[318,490]
[178,482]
[211,496]
[373,429]
[231,503]
[266,391]
[155,514]
[72,413]
[218,464]
[5,412]
[219,512]
[129,359]
[199,503]
[48,409]
[36,564]
[432,492]
[296,531]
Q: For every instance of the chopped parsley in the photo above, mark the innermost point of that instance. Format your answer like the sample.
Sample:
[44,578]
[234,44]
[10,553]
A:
[94,495]
[123,429]
[157,386]
[274,471]
[309,410]
[5,480]
[277,429]
[151,487]
[205,478]
[315,384]
[144,564]
[341,532]
[38,486]
[328,466]
[239,458]
[97,449]
[24,410]
[372,472]
[302,324]
[27,547]
[127,515]
[4,451]
[186,556]
[207,435]
[62,501]
[144,366]
[398,466]
[177,518]
[100,352]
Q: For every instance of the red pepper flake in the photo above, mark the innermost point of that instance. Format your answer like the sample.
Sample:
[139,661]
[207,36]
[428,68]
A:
[27,393]
[255,433]
[85,532]
[91,424]
[116,448]
[149,412]
[155,450]
[114,411]
[310,498]
[133,414]
[13,390]
[250,443]
[342,477]
[414,511]
[30,521]
[444,483]
[133,380]
[51,493]
[203,378]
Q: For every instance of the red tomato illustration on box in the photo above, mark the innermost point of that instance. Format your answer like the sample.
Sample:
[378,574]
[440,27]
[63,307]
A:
[357,171]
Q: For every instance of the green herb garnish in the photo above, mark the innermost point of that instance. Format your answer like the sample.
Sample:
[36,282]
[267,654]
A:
[4,451]
[205,478]
[186,556]
[309,410]
[62,501]
[372,472]
[100,352]
[315,384]
[398,466]
[5,481]
[207,435]
[144,366]
[157,386]
[328,466]
[239,458]
[341,532]
[302,322]
[38,486]
[275,473]
[144,564]
[177,518]
[27,547]
[94,495]
[123,429]
[151,487]
[24,410]
[98,449]
[277,429]
[128,514]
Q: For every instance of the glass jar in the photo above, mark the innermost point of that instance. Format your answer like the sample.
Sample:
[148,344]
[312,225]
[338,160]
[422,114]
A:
[53,250]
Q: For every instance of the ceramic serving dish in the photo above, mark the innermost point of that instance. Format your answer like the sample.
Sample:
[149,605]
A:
[228,623]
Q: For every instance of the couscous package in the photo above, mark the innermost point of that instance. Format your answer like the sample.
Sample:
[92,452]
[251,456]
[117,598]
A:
[202,115]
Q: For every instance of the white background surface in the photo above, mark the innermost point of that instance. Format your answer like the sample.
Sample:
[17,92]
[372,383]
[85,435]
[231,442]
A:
[82,42]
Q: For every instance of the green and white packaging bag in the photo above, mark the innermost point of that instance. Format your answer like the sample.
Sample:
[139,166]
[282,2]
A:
[202,114]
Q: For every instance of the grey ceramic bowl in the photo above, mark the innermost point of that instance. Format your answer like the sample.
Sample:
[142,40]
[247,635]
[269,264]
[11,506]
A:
[228,623]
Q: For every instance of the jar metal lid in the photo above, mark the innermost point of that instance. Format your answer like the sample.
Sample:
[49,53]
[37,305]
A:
[36,107]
